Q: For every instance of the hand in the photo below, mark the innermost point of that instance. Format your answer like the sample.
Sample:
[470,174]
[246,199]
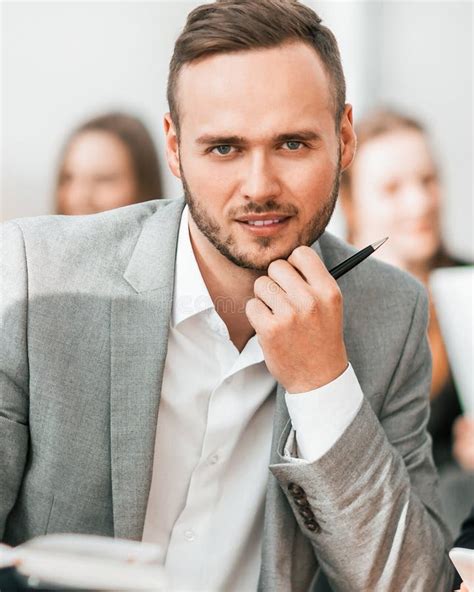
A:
[463,446]
[299,322]
[8,556]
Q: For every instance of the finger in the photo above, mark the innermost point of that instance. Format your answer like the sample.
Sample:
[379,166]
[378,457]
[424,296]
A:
[310,266]
[270,293]
[463,425]
[258,314]
[323,286]
[288,278]
[8,556]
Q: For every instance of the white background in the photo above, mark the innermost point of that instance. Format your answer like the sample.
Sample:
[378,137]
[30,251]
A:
[63,62]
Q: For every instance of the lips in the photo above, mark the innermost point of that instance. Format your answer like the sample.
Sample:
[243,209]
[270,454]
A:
[264,225]
[265,220]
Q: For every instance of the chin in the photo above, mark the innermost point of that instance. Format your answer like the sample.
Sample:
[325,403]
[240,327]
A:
[259,261]
[420,252]
[426,247]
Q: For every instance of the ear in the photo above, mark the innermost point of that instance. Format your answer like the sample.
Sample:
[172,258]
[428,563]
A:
[172,145]
[347,138]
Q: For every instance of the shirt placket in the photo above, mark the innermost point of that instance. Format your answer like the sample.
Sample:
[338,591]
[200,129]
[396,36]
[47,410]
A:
[189,537]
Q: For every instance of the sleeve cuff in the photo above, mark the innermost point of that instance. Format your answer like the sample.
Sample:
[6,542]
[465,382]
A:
[320,417]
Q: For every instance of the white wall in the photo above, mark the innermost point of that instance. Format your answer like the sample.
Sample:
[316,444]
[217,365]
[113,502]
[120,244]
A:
[426,66]
[65,61]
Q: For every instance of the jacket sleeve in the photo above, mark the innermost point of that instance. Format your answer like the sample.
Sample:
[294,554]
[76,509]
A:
[14,376]
[370,504]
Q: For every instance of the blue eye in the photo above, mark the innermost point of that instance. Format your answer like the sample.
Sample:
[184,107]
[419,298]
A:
[293,144]
[223,149]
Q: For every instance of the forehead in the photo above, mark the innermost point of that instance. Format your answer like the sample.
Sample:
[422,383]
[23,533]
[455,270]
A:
[255,90]
[96,147]
[396,154]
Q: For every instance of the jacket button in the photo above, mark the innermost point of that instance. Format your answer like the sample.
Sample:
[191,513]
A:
[312,525]
[301,501]
[296,490]
[306,512]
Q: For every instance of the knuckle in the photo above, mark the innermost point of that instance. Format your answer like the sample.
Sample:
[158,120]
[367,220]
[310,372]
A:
[311,304]
[286,313]
[335,296]
[272,288]
[271,331]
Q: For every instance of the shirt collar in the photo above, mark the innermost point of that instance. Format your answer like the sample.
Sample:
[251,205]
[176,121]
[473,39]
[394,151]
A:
[190,293]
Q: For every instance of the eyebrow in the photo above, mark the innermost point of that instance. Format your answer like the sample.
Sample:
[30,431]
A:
[300,135]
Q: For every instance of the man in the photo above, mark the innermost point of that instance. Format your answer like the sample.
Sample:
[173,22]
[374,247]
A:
[158,360]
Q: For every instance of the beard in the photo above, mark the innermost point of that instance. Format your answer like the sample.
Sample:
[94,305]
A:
[228,246]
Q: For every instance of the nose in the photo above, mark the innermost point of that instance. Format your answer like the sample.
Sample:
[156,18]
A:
[260,182]
[81,195]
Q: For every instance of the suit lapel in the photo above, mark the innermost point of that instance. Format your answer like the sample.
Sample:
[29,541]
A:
[138,344]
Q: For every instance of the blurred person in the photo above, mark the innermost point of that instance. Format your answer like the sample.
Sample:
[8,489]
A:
[463,447]
[108,162]
[188,372]
[393,189]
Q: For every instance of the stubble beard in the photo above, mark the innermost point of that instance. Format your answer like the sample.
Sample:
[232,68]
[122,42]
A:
[227,245]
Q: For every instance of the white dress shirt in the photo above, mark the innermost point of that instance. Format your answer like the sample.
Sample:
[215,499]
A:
[212,448]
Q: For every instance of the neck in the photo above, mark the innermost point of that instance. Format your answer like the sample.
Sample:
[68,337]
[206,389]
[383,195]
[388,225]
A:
[420,270]
[229,286]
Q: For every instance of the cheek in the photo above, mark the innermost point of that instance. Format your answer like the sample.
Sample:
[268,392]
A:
[210,183]
[309,182]
[62,195]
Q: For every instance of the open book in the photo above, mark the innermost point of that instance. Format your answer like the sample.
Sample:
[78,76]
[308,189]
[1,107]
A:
[463,560]
[88,563]
[453,294]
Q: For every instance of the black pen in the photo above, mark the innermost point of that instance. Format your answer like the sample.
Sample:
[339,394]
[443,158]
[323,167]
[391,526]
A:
[348,264]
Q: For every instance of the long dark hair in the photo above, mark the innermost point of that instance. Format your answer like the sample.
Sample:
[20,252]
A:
[137,139]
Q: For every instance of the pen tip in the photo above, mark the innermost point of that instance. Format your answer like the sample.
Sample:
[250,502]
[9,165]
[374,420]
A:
[379,243]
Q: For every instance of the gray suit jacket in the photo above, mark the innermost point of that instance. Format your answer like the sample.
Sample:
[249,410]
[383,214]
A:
[85,310]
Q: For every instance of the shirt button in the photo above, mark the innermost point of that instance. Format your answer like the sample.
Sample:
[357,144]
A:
[213,459]
[189,535]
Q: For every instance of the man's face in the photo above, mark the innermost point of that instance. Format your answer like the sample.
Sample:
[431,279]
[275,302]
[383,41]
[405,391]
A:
[258,153]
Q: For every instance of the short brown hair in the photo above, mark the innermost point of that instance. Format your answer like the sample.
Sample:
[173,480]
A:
[238,25]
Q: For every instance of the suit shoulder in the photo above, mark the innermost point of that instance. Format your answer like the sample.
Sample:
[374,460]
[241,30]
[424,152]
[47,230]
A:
[103,226]
[82,252]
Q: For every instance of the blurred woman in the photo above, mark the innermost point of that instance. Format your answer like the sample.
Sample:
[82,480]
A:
[108,162]
[393,189]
